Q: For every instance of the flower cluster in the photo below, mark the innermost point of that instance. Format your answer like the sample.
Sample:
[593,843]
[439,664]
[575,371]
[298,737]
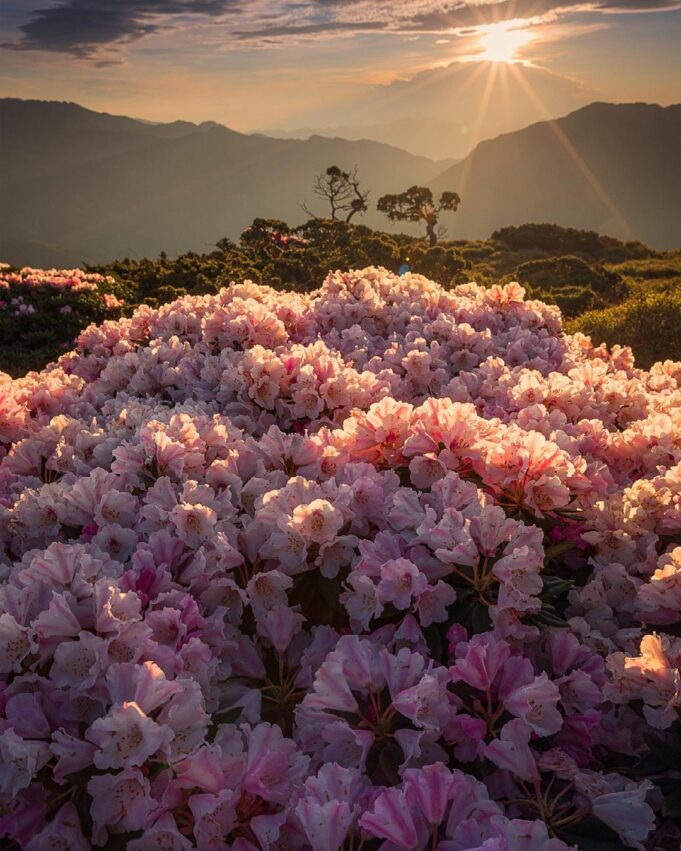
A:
[57,279]
[42,311]
[384,566]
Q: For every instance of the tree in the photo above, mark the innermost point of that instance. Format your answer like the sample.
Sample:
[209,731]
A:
[417,205]
[342,190]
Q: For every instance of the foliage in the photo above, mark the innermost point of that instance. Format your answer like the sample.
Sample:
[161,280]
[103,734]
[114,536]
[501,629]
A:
[651,269]
[554,240]
[650,323]
[41,312]
[573,284]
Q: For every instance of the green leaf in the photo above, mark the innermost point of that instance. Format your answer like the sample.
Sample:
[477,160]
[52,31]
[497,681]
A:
[480,619]
[389,762]
[555,587]
[672,804]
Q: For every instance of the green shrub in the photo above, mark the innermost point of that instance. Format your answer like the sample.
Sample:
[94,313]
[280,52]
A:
[571,283]
[654,268]
[41,313]
[554,239]
[648,323]
[442,263]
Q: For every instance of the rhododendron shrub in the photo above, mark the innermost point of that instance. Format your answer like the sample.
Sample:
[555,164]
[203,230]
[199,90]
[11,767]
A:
[383,566]
[43,310]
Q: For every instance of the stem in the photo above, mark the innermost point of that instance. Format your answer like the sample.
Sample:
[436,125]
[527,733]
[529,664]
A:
[560,795]
[564,822]
[540,798]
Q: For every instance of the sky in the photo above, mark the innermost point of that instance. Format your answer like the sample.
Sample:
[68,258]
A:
[257,64]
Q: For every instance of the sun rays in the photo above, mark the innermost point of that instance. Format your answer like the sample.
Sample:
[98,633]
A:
[501,45]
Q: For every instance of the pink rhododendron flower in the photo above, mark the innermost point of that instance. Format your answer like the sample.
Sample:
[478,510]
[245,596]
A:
[276,569]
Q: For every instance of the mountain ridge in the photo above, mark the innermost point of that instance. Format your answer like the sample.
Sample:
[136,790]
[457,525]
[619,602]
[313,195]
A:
[100,186]
[443,112]
[612,168]
[137,189]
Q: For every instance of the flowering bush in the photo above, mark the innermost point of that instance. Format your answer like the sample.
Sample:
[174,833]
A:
[46,310]
[383,566]
[42,311]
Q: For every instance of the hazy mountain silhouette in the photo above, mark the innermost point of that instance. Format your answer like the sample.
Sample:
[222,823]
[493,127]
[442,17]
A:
[87,186]
[99,186]
[444,112]
[613,168]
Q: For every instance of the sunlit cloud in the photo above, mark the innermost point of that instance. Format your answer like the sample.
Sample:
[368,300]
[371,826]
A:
[299,63]
[88,28]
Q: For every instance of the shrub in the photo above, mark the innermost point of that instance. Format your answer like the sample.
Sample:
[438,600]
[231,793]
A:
[42,311]
[442,263]
[649,323]
[554,239]
[384,565]
[573,284]
[651,269]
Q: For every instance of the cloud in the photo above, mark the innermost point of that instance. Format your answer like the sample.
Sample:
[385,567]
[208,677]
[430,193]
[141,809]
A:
[638,5]
[336,17]
[81,27]
[85,27]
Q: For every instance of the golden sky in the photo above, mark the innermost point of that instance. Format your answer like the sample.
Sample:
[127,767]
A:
[254,64]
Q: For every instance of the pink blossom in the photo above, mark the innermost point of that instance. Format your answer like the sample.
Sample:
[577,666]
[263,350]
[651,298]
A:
[400,581]
[120,802]
[126,737]
[511,750]
[391,819]
[271,562]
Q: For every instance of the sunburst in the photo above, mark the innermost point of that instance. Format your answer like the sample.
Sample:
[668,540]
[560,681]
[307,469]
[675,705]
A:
[502,42]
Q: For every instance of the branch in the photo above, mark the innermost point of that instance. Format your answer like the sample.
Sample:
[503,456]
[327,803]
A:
[309,212]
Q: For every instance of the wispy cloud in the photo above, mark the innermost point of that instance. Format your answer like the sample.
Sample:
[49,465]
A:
[85,28]
[82,27]
[333,17]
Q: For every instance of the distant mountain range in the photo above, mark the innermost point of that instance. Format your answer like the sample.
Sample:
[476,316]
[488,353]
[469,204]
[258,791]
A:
[612,168]
[89,186]
[85,186]
[444,112]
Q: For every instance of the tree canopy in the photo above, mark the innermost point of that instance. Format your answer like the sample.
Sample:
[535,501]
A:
[417,204]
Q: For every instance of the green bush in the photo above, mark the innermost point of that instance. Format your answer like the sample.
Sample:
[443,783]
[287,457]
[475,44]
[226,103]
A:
[571,283]
[648,323]
[442,263]
[654,268]
[554,239]
[40,315]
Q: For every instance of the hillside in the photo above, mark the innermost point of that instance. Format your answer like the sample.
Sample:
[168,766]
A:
[618,292]
[613,168]
[295,567]
[98,186]
[80,186]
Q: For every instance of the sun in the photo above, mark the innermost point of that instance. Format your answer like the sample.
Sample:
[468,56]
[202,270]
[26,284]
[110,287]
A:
[501,43]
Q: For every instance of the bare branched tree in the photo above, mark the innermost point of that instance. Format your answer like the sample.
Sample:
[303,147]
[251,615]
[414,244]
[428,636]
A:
[342,191]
